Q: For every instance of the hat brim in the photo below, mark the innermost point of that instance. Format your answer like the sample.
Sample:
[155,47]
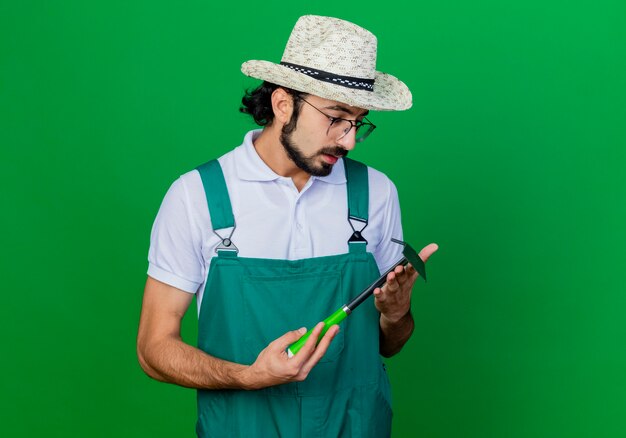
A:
[390,94]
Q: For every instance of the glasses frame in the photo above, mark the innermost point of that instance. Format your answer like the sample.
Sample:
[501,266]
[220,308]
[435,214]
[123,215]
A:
[357,124]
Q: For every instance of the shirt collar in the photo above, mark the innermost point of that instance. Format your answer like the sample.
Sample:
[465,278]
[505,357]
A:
[250,167]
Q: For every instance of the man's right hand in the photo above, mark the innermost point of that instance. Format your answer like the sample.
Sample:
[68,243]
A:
[164,356]
[274,367]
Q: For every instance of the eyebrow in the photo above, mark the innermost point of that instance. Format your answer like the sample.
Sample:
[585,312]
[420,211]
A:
[346,110]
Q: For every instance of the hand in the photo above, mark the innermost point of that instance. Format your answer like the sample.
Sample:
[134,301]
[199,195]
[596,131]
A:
[274,367]
[393,300]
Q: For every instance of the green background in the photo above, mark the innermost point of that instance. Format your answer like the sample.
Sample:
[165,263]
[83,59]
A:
[512,159]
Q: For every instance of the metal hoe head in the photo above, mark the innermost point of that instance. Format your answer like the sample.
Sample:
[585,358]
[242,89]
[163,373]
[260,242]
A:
[413,258]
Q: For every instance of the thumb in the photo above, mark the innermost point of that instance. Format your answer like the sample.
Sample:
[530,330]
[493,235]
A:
[427,251]
[289,338]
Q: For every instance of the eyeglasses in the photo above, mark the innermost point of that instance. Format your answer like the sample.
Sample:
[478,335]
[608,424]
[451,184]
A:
[340,127]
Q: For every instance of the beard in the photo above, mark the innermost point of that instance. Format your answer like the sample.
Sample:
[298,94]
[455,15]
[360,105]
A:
[310,164]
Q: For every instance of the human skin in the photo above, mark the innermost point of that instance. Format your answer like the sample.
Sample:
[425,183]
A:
[393,300]
[163,354]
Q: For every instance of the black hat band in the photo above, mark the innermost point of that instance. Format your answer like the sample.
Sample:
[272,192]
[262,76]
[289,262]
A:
[344,81]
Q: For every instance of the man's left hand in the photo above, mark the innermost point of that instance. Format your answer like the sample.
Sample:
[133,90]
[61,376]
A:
[393,300]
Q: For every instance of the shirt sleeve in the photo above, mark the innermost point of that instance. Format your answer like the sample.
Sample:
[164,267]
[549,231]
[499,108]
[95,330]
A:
[387,253]
[175,255]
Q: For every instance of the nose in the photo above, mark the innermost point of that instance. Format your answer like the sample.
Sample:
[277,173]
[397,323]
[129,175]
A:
[348,141]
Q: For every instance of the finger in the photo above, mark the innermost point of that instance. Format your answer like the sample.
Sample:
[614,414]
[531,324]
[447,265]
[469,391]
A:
[410,270]
[427,251]
[392,283]
[309,345]
[379,295]
[411,273]
[288,338]
[321,349]
[401,275]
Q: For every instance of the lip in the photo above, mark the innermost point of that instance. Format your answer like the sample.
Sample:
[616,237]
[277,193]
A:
[330,159]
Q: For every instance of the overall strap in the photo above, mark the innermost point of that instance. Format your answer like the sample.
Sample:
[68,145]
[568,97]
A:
[218,201]
[358,202]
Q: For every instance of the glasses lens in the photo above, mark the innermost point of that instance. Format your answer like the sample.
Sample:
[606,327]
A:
[340,128]
[363,132]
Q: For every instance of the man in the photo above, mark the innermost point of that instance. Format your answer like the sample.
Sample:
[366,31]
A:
[277,234]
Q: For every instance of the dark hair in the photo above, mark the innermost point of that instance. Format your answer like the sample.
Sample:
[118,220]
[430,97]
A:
[258,103]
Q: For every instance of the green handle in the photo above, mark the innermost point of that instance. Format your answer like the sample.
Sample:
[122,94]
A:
[335,318]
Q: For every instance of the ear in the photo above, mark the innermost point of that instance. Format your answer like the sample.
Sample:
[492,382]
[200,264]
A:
[282,105]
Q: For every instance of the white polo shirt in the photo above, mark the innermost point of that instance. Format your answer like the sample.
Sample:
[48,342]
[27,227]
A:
[273,220]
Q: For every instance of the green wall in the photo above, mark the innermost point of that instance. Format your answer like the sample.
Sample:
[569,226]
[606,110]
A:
[512,159]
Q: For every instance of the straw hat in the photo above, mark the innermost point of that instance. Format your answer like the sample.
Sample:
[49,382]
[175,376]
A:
[336,60]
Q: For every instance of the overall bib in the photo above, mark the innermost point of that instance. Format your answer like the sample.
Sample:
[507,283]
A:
[249,302]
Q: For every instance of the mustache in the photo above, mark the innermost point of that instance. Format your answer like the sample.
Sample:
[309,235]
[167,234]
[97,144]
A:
[337,151]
